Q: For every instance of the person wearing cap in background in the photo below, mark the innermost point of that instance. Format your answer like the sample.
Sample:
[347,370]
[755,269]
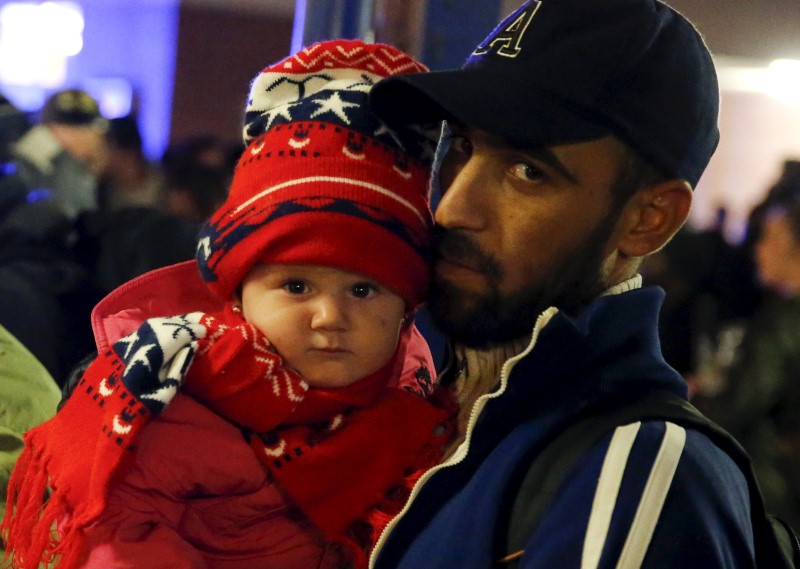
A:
[575,134]
[37,267]
[64,155]
[280,420]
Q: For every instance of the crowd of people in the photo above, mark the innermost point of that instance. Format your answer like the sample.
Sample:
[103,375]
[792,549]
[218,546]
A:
[268,400]
[84,210]
[747,366]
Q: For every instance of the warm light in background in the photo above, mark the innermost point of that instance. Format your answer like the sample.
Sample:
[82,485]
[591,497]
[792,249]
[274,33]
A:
[779,79]
[759,122]
[36,41]
[121,51]
[783,80]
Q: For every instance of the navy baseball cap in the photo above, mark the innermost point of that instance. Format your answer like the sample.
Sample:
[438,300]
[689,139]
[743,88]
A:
[73,107]
[561,71]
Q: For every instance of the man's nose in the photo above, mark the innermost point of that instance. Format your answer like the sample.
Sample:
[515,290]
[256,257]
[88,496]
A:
[329,313]
[463,188]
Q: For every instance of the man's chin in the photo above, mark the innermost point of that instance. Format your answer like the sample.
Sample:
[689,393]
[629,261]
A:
[479,320]
[469,318]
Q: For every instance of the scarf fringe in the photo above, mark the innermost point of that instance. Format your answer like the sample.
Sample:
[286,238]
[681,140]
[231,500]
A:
[29,524]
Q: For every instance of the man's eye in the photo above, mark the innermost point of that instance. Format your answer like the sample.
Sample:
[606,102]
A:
[461,144]
[295,287]
[363,290]
[526,172]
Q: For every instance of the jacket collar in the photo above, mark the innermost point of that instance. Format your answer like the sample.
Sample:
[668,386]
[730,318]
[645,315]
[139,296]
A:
[611,348]
[176,289]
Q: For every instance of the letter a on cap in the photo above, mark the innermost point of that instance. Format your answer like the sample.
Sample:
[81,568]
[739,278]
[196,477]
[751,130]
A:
[506,38]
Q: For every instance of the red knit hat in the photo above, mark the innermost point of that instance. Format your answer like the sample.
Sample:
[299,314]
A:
[323,181]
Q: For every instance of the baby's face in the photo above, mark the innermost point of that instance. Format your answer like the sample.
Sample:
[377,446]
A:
[332,326]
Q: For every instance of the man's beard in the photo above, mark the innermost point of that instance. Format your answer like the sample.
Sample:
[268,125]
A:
[481,319]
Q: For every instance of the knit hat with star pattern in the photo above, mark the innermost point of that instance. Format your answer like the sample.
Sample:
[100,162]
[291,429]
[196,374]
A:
[323,181]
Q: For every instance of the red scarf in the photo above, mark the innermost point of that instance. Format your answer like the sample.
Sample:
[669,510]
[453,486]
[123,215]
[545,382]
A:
[321,445]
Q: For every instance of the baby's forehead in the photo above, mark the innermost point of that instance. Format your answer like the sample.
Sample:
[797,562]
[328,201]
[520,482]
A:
[307,271]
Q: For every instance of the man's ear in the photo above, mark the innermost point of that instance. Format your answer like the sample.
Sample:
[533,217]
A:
[652,216]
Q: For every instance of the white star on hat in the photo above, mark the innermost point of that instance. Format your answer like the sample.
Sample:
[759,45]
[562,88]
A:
[282,111]
[333,104]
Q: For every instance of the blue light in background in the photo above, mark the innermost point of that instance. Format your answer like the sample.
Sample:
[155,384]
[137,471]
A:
[298,27]
[127,62]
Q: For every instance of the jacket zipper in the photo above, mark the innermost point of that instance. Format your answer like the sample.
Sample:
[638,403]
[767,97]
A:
[461,452]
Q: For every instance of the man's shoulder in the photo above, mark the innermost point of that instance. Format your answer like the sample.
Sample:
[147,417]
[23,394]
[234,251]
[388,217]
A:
[648,486]
[659,455]
[683,458]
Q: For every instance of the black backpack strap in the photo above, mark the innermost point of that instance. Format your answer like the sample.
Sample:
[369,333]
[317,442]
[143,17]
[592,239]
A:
[775,543]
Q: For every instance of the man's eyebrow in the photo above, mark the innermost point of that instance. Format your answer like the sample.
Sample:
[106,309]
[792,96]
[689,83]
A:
[541,153]
[545,155]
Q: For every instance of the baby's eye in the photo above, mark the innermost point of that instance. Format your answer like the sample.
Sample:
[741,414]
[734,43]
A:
[363,290]
[526,172]
[295,287]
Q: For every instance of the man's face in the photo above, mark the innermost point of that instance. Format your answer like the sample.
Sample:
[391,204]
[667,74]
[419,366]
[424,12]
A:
[777,252]
[86,143]
[518,231]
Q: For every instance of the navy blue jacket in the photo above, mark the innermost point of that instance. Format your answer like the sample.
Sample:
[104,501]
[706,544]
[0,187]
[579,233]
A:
[650,495]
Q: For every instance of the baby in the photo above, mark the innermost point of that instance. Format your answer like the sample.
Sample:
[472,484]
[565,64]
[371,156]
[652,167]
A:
[281,418]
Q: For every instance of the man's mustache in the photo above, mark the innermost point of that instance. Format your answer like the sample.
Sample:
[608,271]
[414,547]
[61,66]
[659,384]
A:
[456,247]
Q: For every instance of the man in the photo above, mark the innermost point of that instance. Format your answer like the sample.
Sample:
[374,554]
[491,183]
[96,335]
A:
[576,132]
[65,154]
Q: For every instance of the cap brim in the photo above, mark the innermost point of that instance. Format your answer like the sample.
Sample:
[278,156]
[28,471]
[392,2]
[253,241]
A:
[481,99]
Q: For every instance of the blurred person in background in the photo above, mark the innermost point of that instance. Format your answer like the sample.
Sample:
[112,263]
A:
[129,177]
[131,232]
[712,293]
[37,229]
[759,393]
[198,170]
[202,150]
[66,153]
[195,191]
[119,245]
